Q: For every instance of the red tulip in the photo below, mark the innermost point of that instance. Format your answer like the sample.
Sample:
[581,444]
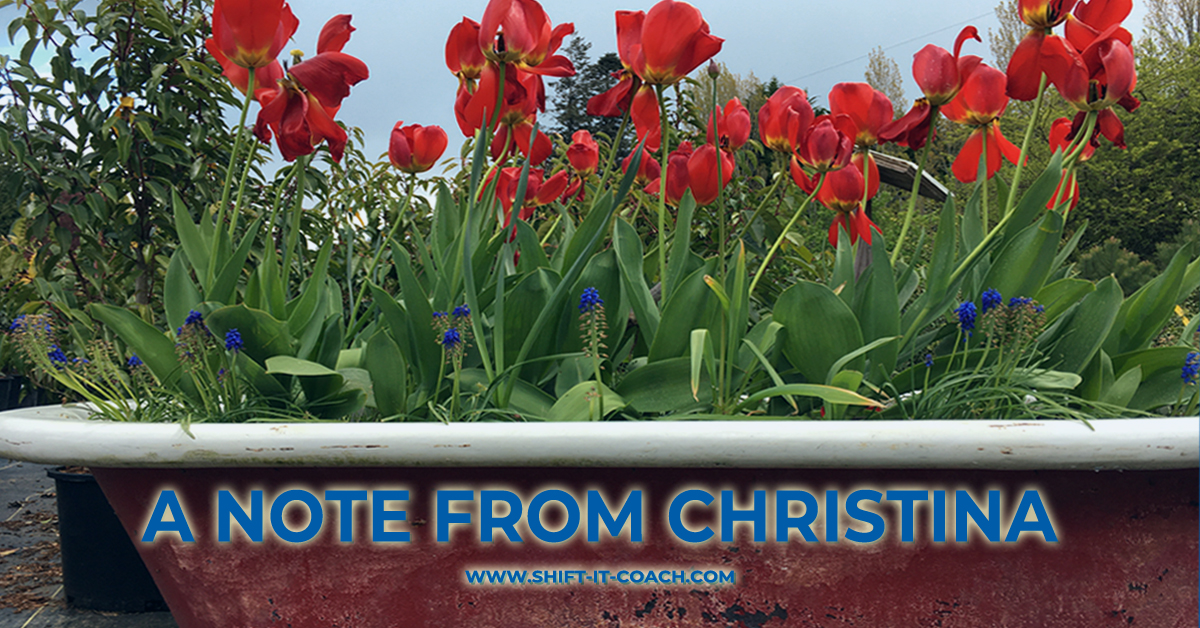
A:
[299,109]
[1044,14]
[537,191]
[732,125]
[415,148]
[583,153]
[855,222]
[519,32]
[250,33]
[1098,77]
[940,75]
[648,168]
[677,174]
[827,144]
[702,169]
[979,105]
[615,102]
[1095,17]
[675,41]
[264,77]
[867,107]
[464,57]
[537,148]
[785,114]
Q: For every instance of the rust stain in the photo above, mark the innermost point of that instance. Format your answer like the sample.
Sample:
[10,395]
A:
[1006,451]
[353,446]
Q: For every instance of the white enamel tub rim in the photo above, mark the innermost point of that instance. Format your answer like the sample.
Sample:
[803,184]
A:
[63,435]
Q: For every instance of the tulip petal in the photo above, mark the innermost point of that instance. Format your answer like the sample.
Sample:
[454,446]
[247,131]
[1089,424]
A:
[1025,67]
[645,115]
[329,75]
[334,34]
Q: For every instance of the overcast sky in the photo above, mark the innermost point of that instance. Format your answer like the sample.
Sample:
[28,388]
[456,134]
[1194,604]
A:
[811,45]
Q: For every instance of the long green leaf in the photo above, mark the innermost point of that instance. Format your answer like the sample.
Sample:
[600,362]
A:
[306,306]
[180,295]
[197,247]
[154,348]
[830,394]
[628,247]
[225,284]
[819,328]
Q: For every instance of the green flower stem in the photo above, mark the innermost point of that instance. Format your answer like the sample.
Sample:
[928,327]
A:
[233,156]
[662,185]
[779,241]
[237,204]
[370,274]
[916,190]
[1037,107]
[783,174]
[293,236]
[982,176]
[612,150]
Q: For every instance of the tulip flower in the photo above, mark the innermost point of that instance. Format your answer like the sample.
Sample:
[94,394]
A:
[940,75]
[1096,17]
[827,144]
[786,114]
[1030,57]
[538,191]
[1061,134]
[464,57]
[648,168]
[677,174]
[979,105]
[251,33]
[299,109]
[583,153]
[415,148]
[615,102]
[239,76]
[675,41]
[702,168]
[732,125]
[1097,77]
[519,32]
[868,108]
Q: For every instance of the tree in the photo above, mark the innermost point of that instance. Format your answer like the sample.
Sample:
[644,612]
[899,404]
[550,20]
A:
[1173,23]
[1144,193]
[883,73]
[568,107]
[1004,41]
[127,113]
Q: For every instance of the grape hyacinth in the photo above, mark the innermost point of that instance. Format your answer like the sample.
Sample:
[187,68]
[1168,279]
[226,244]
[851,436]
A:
[134,361]
[991,299]
[233,340]
[1191,368]
[590,300]
[966,316]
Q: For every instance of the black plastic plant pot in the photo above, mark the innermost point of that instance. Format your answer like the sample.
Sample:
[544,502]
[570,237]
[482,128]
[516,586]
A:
[10,391]
[101,569]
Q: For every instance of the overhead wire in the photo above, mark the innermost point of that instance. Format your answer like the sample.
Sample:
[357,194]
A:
[889,47]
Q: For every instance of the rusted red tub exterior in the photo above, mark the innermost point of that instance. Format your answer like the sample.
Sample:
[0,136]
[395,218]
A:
[1126,555]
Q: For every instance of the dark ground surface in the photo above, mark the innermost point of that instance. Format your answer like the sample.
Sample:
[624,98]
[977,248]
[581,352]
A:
[31,593]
